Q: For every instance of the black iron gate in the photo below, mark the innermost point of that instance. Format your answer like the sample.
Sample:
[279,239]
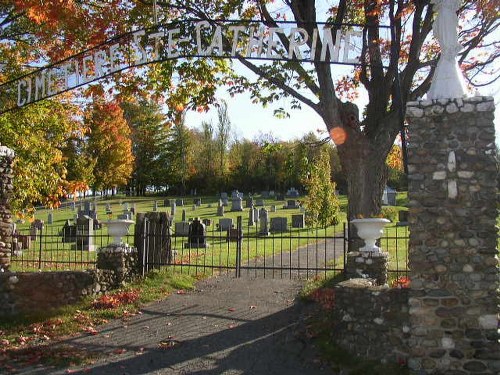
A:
[241,251]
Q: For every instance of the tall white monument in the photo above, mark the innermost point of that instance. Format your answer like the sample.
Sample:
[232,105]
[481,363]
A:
[448,82]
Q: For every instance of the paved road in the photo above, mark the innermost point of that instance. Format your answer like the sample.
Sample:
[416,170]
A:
[225,326]
[249,325]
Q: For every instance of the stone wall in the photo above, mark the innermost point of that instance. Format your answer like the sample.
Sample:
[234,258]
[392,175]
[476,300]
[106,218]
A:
[32,292]
[372,321]
[453,260]
[6,158]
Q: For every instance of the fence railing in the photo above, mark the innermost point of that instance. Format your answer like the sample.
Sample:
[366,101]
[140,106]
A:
[294,252]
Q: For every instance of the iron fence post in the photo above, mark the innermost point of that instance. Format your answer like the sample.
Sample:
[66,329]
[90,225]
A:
[40,250]
[238,245]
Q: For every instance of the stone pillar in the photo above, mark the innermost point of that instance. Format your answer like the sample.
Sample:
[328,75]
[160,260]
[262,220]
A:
[453,259]
[6,188]
[116,265]
[367,264]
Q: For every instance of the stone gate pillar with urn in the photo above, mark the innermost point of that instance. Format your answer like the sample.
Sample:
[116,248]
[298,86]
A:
[453,258]
[6,159]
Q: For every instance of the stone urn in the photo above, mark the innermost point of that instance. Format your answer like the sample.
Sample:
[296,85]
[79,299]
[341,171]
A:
[370,230]
[118,229]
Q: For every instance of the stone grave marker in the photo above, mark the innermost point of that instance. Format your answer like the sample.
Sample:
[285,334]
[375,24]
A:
[292,193]
[179,202]
[197,235]
[225,224]
[251,218]
[173,209]
[237,204]
[249,202]
[263,222]
[273,208]
[50,218]
[68,232]
[279,224]
[298,221]
[197,202]
[85,233]
[259,203]
[155,206]
[220,211]
[223,195]
[182,229]
[292,204]
[225,201]
[183,215]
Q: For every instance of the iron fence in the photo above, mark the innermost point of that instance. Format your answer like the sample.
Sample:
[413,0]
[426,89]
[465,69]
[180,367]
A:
[240,250]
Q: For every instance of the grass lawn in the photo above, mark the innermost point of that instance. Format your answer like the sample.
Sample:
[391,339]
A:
[53,254]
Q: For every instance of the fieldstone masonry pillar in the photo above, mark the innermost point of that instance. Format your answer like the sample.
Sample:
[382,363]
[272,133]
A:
[6,176]
[454,295]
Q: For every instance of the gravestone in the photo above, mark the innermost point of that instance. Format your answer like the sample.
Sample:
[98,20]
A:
[292,193]
[234,235]
[207,222]
[50,218]
[251,218]
[182,229]
[402,218]
[225,224]
[272,194]
[35,227]
[183,215]
[73,206]
[273,208]
[249,202]
[259,203]
[389,196]
[292,204]
[197,202]
[155,206]
[179,202]
[68,232]
[255,214]
[298,221]
[85,233]
[173,209]
[237,204]
[196,235]
[225,201]
[193,208]
[223,195]
[220,211]
[123,217]
[263,222]
[236,194]
[132,209]
[279,224]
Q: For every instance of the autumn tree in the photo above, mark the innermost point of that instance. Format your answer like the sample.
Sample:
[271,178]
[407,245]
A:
[109,144]
[322,205]
[149,133]
[38,135]
[394,72]
[179,154]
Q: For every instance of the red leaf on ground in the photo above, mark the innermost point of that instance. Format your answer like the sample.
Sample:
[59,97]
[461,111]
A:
[181,291]
[231,309]
[119,351]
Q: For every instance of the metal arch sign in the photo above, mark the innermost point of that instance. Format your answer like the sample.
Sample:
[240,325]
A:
[330,43]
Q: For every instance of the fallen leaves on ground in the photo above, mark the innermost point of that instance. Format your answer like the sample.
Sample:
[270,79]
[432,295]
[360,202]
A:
[168,343]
